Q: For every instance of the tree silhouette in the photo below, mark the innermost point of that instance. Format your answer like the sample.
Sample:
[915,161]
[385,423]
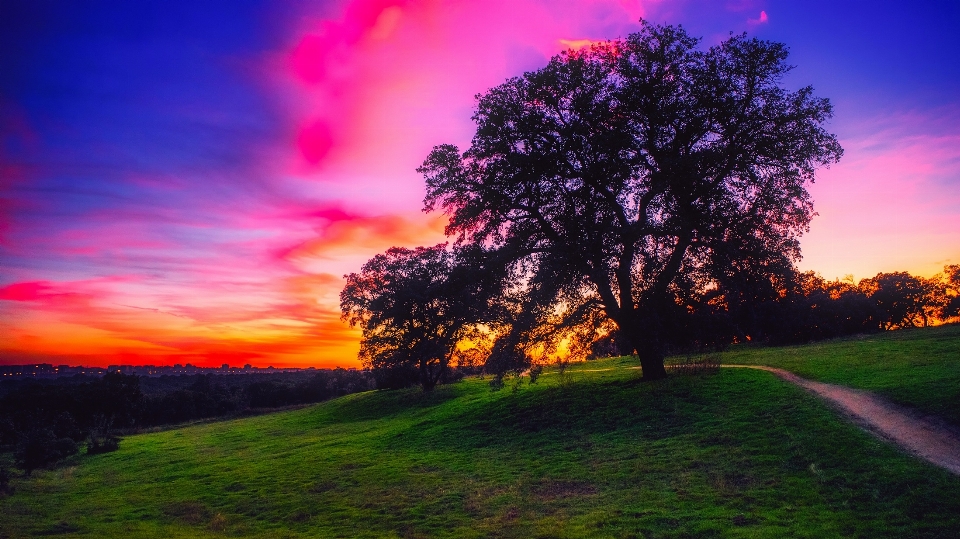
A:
[898,297]
[951,276]
[415,306]
[644,171]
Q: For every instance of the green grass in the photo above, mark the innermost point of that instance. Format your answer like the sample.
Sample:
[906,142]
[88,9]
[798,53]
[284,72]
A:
[919,368]
[735,454]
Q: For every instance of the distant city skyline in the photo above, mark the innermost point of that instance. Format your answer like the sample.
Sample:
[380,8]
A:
[188,183]
[48,370]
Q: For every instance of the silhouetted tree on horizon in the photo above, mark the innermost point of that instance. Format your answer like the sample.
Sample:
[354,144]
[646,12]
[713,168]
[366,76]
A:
[903,300]
[645,172]
[951,304]
[415,306]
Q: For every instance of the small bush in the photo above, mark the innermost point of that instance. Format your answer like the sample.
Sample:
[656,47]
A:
[564,376]
[65,426]
[695,364]
[218,523]
[395,376]
[95,446]
[41,447]
[535,372]
[64,447]
[452,375]
[101,440]
[4,481]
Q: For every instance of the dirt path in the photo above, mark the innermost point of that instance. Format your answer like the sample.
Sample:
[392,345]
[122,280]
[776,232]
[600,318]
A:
[924,438]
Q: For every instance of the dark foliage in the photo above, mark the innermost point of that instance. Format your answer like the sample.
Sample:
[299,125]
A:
[38,418]
[396,376]
[415,306]
[645,176]
[40,447]
[809,308]
[101,438]
[69,408]
[4,480]
[611,345]
[951,304]
[181,399]
[64,426]
[898,298]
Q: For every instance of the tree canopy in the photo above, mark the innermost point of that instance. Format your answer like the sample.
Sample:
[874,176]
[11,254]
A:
[416,306]
[645,172]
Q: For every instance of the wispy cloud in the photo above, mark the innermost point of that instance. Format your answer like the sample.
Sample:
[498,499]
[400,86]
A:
[893,202]
[761,19]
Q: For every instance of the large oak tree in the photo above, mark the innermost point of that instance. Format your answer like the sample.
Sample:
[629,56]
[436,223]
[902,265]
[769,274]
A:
[646,170]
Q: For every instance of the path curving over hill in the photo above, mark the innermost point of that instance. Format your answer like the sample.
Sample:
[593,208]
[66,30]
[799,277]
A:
[920,436]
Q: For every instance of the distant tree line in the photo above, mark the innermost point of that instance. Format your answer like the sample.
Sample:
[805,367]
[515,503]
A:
[806,307]
[812,308]
[45,421]
[396,295]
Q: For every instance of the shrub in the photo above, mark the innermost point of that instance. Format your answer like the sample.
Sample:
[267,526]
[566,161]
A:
[66,427]
[41,447]
[395,376]
[695,364]
[535,372]
[97,445]
[101,440]
[4,480]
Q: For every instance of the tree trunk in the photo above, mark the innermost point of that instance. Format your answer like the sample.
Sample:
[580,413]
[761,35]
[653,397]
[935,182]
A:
[427,378]
[644,337]
[651,363]
[432,373]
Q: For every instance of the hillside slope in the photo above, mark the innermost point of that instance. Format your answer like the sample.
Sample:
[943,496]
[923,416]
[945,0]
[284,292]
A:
[919,368]
[595,454]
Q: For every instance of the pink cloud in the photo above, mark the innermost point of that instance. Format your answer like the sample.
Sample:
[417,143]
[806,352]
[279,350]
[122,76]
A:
[893,201]
[388,80]
[88,319]
[762,19]
[30,291]
[340,234]
[65,296]
[577,44]
[315,141]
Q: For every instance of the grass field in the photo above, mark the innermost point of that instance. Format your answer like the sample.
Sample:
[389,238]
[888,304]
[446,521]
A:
[593,454]
[919,368]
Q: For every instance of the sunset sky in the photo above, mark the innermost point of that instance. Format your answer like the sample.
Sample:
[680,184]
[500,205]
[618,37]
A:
[189,184]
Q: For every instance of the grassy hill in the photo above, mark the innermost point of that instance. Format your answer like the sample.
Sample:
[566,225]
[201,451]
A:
[594,454]
[919,368]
